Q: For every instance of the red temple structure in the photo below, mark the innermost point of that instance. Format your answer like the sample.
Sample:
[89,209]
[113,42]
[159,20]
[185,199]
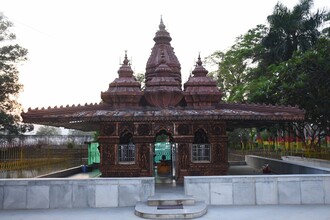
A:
[164,124]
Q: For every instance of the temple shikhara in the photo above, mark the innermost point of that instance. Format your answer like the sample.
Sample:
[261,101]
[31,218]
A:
[169,127]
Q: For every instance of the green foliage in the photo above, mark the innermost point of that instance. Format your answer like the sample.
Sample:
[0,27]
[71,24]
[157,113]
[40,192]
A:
[96,136]
[48,131]
[140,78]
[295,67]
[235,64]
[242,138]
[306,82]
[292,30]
[10,56]
[286,63]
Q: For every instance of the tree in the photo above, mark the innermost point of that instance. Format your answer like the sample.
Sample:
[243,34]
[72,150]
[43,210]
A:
[292,30]
[234,65]
[10,56]
[306,82]
[290,66]
[140,78]
[48,131]
[297,69]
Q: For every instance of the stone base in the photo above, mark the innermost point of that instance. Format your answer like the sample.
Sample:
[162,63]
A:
[170,206]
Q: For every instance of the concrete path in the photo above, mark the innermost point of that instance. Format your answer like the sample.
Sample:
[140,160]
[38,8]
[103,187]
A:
[269,212]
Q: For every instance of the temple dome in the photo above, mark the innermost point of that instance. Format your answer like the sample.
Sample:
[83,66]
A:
[163,76]
[124,91]
[163,47]
[200,90]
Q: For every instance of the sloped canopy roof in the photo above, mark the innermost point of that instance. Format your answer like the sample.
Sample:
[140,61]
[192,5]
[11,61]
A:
[88,117]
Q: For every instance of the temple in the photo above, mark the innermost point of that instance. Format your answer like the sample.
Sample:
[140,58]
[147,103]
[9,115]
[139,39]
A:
[166,128]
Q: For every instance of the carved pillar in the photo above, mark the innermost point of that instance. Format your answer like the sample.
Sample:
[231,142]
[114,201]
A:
[184,141]
[144,158]
[108,157]
[224,149]
[143,140]
[183,160]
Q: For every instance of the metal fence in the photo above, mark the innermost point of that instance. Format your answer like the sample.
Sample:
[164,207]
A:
[30,156]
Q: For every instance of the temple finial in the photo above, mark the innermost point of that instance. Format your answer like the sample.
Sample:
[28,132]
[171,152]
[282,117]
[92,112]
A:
[126,61]
[199,62]
[161,25]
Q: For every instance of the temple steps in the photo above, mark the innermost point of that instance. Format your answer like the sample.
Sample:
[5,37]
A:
[170,206]
[170,199]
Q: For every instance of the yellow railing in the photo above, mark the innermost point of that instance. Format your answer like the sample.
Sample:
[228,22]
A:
[42,160]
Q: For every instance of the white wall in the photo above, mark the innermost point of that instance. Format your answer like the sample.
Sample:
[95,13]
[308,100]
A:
[74,193]
[260,189]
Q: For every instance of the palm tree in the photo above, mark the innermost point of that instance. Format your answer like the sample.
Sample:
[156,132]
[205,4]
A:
[292,30]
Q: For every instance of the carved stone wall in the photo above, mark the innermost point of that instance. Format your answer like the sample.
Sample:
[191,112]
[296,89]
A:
[144,136]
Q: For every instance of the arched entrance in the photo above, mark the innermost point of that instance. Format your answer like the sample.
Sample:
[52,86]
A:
[164,160]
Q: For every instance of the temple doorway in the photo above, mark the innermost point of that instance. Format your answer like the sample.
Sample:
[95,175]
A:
[165,154]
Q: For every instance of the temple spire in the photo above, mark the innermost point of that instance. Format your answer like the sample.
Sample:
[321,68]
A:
[199,70]
[200,90]
[125,70]
[162,36]
[199,61]
[126,61]
[163,76]
[161,25]
[125,90]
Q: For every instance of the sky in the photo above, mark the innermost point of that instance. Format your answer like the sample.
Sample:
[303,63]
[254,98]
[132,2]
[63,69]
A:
[76,46]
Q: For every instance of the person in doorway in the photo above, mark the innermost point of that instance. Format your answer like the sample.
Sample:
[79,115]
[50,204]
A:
[163,167]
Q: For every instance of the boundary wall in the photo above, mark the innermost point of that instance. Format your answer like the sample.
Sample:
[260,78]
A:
[309,161]
[74,193]
[298,188]
[284,166]
[260,189]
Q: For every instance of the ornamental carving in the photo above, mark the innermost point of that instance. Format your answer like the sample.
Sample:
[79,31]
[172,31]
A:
[126,126]
[216,130]
[168,127]
[201,126]
[184,156]
[144,129]
[109,129]
[223,150]
[184,129]
[104,154]
[144,157]
[107,154]
[216,152]
[111,154]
